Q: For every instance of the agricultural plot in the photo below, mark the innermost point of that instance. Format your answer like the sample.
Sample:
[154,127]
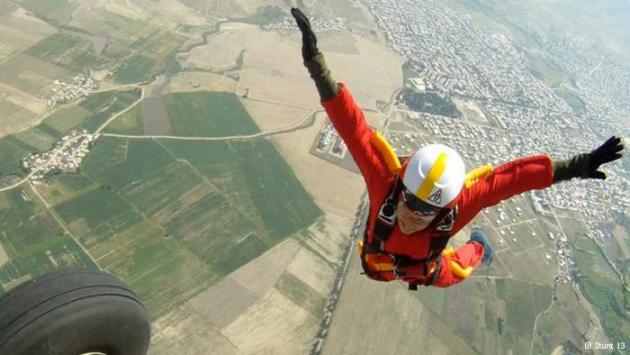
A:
[60,188]
[301,294]
[160,269]
[601,287]
[159,190]
[66,50]
[36,138]
[105,154]
[566,321]
[492,316]
[122,30]
[151,56]
[97,215]
[14,115]
[90,113]
[129,122]
[142,159]
[12,151]
[267,181]
[19,30]
[31,74]
[33,240]
[208,114]
[56,10]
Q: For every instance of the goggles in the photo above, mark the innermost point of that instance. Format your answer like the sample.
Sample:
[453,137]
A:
[418,206]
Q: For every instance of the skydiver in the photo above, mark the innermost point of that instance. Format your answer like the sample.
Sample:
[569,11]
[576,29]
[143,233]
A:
[416,206]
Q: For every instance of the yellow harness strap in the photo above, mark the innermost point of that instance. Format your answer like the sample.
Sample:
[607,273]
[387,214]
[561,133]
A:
[480,173]
[387,152]
[456,268]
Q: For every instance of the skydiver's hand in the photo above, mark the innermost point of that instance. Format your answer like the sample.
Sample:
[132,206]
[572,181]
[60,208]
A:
[586,165]
[309,41]
[607,152]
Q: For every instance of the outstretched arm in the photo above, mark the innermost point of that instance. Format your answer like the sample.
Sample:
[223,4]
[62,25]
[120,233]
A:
[343,111]
[533,173]
[313,58]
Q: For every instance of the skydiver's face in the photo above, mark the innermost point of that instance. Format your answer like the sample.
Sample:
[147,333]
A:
[409,221]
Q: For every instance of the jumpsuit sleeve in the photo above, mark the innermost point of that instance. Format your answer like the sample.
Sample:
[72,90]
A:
[349,121]
[512,178]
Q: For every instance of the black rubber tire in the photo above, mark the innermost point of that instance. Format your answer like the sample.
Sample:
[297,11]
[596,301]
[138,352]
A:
[73,312]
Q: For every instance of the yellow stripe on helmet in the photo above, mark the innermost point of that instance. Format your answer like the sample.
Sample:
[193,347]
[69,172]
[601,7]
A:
[434,175]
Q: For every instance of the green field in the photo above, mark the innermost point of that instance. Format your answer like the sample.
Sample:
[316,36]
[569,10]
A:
[128,123]
[14,114]
[301,294]
[33,240]
[152,54]
[31,74]
[90,113]
[60,188]
[491,316]
[96,215]
[208,114]
[142,159]
[56,10]
[602,288]
[66,50]
[12,151]
[36,138]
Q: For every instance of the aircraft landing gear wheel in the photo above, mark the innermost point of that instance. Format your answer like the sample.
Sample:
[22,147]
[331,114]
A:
[73,312]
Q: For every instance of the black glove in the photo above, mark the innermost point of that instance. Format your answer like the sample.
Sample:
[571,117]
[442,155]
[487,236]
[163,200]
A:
[309,41]
[586,165]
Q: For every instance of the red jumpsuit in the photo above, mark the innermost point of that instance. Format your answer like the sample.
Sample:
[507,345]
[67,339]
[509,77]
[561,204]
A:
[512,178]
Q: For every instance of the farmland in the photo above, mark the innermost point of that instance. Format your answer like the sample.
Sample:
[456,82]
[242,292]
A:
[128,123]
[208,114]
[184,214]
[68,51]
[192,206]
[33,240]
[89,115]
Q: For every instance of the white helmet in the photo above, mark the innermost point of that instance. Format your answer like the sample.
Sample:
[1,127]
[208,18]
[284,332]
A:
[435,175]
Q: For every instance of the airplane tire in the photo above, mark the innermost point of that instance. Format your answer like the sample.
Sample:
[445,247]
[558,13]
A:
[73,312]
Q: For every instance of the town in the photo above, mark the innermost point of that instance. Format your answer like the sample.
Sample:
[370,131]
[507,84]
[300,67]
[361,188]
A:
[65,156]
[63,93]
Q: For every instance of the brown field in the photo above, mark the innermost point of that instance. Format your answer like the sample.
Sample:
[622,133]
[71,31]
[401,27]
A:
[337,42]
[20,30]
[261,274]
[245,313]
[155,118]
[4,258]
[201,81]
[23,99]
[185,332]
[409,325]
[265,327]
[334,189]
[207,57]
[222,303]
[271,116]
